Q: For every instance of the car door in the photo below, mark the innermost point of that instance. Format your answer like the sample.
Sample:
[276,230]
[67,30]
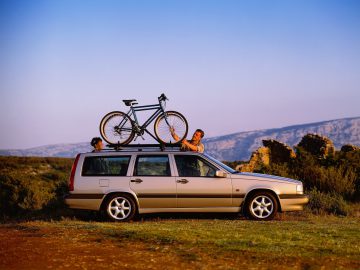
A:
[152,182]
[197,185]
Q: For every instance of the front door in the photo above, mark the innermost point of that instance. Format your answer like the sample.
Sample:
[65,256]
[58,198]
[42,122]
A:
[152,182]
[197,186]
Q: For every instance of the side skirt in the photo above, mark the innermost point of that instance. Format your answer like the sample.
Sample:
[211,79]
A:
[191,210]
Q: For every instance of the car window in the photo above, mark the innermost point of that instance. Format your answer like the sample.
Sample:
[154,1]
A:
[105,166]
[194,166]
[152,166]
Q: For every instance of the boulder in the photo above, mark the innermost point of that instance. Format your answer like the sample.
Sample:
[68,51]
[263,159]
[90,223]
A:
[349,147]
[258,158]
[317,145]
[279,152]
[272,152]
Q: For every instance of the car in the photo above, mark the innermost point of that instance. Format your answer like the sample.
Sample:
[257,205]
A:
[126,182]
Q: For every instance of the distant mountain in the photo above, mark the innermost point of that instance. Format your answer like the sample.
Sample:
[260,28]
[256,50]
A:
[237,146]
[54,150]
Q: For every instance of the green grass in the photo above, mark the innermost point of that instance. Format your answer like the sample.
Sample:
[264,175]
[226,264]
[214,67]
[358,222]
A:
[323,239]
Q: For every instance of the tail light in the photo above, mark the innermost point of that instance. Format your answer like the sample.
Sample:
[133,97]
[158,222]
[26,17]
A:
[72,175]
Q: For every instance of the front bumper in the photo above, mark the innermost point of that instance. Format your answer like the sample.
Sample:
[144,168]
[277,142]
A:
[293,202]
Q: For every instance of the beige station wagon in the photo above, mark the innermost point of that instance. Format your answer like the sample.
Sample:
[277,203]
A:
[125,183]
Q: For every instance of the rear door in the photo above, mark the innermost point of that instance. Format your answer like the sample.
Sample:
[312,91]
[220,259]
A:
[197,185]
[152,181]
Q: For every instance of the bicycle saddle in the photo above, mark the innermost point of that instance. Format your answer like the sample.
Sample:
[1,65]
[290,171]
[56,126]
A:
[129,102]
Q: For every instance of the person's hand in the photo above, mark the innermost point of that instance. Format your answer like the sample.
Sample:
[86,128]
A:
[172,130]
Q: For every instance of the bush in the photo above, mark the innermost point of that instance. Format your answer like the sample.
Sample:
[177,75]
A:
[325,203]
[29,185]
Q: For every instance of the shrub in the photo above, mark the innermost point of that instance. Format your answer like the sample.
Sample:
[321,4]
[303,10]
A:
[29,185]
[325,203]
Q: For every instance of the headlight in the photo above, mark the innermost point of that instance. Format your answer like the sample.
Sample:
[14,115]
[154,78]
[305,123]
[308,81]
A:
[299,189]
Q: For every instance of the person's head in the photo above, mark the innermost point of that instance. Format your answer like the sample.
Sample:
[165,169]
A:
[198,135]
[97,143]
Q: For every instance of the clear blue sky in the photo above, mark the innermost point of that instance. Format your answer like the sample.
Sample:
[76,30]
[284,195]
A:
[228,66]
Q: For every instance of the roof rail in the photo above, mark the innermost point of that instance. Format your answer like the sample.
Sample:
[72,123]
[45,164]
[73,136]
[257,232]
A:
[162,147]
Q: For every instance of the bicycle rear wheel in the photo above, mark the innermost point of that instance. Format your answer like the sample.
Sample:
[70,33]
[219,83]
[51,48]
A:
[176,121]
[116,128]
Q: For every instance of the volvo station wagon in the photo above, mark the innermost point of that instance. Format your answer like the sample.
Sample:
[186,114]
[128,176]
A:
[129,182]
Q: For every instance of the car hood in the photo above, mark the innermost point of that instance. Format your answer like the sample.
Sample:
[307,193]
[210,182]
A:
[269,177]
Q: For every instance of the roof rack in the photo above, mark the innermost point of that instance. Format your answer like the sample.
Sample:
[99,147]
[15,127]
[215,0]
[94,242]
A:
[140,147]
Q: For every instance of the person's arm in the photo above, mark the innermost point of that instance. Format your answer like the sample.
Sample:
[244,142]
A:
[173,134]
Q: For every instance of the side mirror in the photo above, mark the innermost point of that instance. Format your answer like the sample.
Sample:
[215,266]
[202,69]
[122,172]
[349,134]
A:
[221,174]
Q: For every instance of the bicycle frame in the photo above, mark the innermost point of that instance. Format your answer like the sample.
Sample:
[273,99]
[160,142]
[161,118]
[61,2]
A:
[159,109]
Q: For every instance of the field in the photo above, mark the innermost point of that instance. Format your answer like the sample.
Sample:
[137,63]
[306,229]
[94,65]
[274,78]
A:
[38,232]
[292,241]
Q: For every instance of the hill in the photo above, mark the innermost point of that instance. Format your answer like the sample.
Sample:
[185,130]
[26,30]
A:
[237,146]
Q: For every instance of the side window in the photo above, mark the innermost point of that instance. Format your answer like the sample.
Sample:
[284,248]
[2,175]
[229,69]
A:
[105,166]
[194,166]
[152,166]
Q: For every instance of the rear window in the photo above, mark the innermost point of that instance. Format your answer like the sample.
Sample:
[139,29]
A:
[105,166]
[152,166]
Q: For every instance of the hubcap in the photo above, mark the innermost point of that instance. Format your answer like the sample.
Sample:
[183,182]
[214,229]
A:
[262,206]
[119,208]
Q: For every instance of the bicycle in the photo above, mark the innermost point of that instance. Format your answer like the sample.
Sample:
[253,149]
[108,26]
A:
[119,128]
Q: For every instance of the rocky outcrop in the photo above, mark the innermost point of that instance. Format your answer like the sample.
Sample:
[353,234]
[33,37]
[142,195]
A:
[349,147]
[319,146]
[272,152]
[279,152]
[258,158]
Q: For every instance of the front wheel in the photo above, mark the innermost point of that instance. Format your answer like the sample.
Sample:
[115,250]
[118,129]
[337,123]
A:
[116,128]
[170,119]
[261,205]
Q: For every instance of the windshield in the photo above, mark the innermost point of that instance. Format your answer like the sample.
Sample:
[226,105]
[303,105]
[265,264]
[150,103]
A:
[225,167]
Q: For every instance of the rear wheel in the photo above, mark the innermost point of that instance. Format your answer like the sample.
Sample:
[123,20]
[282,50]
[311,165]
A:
[261,205]
[120,207]
[116,128]
[173,120]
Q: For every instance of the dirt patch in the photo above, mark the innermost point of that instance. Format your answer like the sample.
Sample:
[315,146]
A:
[55,247]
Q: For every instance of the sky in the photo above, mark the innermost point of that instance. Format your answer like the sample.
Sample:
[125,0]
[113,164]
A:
[228,66]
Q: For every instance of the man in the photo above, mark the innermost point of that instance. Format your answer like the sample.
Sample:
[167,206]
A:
[97,143]
[194,144]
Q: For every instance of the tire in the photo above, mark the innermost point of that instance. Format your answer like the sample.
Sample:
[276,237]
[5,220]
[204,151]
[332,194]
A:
[120,208]
[261,205]
[117,128]
[177,121]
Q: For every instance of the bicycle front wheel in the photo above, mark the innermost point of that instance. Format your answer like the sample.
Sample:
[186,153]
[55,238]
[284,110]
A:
[116,128]
[170,119]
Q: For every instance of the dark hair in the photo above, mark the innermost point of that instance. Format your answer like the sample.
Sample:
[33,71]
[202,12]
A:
[201,131]
[95,140]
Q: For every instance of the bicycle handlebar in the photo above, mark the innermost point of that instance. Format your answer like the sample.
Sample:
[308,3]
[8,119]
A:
[162,97]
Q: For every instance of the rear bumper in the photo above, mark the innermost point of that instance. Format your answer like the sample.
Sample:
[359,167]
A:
[84,201]
[293,202]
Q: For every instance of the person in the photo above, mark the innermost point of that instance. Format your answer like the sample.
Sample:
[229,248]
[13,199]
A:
[97,143]
[194,144]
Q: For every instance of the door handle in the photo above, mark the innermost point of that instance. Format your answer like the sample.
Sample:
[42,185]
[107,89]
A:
[136,181]
[182,181]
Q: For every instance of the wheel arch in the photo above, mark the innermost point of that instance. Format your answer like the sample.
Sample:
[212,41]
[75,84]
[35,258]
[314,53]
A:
[132,194]
[255,190]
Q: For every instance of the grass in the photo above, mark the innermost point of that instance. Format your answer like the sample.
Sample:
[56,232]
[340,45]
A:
[315,240]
